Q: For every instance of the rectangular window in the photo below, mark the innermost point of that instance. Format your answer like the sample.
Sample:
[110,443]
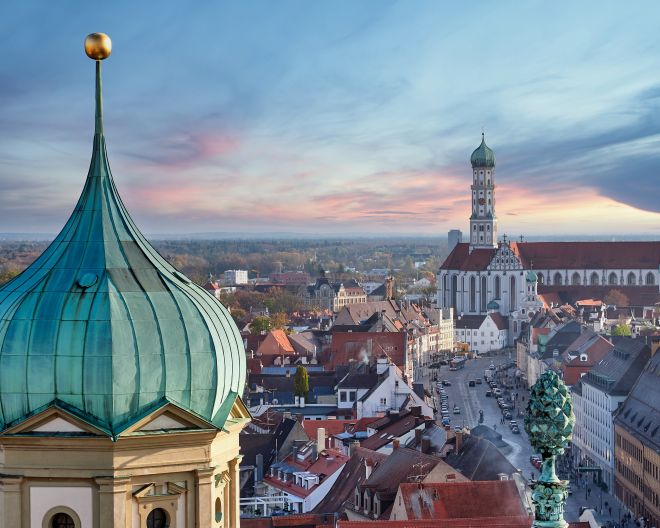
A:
[351,396]
[342,396]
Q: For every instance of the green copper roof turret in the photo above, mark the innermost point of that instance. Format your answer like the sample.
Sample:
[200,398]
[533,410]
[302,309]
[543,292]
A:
[483,156]
[102,323]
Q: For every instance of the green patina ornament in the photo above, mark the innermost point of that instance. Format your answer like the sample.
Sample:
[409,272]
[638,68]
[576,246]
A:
[483,156]
[549,423]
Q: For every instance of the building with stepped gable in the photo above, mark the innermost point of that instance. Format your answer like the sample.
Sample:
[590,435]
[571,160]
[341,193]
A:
[119,378]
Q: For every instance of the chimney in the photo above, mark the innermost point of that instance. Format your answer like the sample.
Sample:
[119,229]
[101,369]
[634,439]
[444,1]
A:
[259,469]
[301,401]
[352,447]
[426,445]
[395,443]
[368,468]
[294,452]
[389,288]
[288,373]
[459,441]
[320,438]
[418,435]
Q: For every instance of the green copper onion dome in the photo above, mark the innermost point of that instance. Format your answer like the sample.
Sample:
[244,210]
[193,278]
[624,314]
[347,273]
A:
[101,323]
[482,156]
[532,276]
[493,305]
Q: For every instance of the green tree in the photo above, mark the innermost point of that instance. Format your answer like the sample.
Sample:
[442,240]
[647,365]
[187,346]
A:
[301,382]
[279,320]
[8,274]
[260,324]
[621,329]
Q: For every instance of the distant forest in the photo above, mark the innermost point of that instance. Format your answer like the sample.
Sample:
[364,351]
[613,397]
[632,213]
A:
[199,258]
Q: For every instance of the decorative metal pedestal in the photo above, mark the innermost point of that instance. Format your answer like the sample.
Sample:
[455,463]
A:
[549,423]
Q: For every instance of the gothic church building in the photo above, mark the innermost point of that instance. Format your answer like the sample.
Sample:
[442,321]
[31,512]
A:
[487,274]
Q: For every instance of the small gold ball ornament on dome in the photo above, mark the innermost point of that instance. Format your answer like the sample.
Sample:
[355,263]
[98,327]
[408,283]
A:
[98,46]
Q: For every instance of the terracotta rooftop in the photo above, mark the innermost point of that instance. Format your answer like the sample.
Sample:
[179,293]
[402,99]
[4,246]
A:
[562,255]
[455,500]
[636,295]
[484,522]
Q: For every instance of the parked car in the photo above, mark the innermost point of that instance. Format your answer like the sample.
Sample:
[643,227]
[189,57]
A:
[507,415]
[446,421]
[478,381]
[471,383]
[446,383]
[489,394]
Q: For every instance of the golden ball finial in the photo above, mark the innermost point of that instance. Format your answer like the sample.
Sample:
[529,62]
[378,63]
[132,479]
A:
[98,46]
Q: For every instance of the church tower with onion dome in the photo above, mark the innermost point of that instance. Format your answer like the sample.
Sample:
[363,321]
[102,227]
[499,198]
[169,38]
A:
[483,222]
[119,377]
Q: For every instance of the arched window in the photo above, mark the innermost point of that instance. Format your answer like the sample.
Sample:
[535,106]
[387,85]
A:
[454,289]
[484,291]
[512,294]
[498,288]
[611,280]
[62,520]
[218,510]
[575,279]
[157,518]
[594,279]
[650,279]
[632,280]
[473,293]
[540,278]
[557,279]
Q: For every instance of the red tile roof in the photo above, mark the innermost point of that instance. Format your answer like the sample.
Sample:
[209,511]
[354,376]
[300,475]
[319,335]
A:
[456,500]
[461,259]
[332,427]
[562,255]
[305,520]
[276,343]
[484,522]
[328,461]
[589,255]
[636,295]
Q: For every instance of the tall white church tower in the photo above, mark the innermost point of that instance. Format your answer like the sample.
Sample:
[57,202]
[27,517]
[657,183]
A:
[483,222]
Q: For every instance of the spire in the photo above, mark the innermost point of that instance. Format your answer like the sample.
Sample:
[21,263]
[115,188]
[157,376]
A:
[98,47]
[98,116]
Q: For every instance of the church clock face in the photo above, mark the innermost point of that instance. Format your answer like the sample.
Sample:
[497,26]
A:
[482,201]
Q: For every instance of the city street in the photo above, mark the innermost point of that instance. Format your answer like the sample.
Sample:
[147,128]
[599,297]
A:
[471,400]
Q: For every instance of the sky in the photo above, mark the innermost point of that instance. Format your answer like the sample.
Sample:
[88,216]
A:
[338,117]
